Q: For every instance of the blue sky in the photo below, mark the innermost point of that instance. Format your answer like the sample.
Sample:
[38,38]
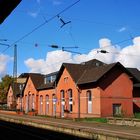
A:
[95,25]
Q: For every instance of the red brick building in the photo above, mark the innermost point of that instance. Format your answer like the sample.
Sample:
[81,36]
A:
[47,96]
[30,97]
[89,89]
[136,89]
[94,90]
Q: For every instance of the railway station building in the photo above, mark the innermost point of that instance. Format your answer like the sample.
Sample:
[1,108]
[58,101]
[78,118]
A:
[88,89]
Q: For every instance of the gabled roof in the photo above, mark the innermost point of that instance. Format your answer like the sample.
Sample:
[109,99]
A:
[47,86]
[6,7]
[37,79]
[92,71]
[94,74]
[93,63]
[16,85]
[135,72]
[76,70]
[15,88]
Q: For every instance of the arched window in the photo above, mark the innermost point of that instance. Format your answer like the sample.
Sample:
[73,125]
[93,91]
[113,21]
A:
[70,100]
[30,101]
[41,104]
[54,104]
[89,95]
[33,102]
[27,103]
[89,101]
[47,104]
[62,95]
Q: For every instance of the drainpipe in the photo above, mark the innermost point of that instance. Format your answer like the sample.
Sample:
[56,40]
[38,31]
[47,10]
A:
[28,103]
[55,98]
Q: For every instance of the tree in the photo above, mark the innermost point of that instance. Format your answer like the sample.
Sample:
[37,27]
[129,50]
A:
[4,84]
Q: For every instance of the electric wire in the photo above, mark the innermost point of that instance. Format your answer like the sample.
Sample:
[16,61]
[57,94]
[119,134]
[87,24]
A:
[39,26]
[119,42]
[71,35]
[90,21]
[119,53]
[114,44]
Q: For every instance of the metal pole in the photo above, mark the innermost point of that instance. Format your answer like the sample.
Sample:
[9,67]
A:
[55,98]
[78,92]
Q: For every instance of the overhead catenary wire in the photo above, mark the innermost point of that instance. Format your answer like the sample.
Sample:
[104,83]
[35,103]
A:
[71,35]
[119,53]
[3,44]
[90,21]
[119,42]
[98,49]
[66,48]
[39,26]
[116,53]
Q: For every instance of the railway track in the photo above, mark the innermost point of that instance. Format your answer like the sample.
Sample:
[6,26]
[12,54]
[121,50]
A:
[19,132]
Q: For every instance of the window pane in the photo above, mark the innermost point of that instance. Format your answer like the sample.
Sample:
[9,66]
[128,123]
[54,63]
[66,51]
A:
[70,107]
[89,101]
[47,104]
[70,95]
[33,101]
[116,109]
[89,107]
[70,100]
[62,95]
[89,95]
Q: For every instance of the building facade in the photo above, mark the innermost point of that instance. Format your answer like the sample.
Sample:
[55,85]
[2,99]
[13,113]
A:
[89,89]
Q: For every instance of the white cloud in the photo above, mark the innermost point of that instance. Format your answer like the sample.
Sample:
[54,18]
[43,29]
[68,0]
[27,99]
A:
[122,29]
[52,62]
[55,59]
[35,65]
[4,59]
[33,14]
[129,56]
[104,42]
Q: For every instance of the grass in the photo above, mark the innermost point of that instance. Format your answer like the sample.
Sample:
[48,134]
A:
[101,120]
[137,115]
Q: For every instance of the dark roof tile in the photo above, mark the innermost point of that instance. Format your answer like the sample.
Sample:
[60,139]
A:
[137,85]
[94,74]
[47,86]
[135,72]
[37,79]
[76,70]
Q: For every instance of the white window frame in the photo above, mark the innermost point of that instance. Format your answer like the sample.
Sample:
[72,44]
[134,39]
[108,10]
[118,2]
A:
[89,101]
[70,95]
[47,104]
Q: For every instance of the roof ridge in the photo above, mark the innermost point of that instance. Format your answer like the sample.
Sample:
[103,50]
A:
[102,70]
[81,76]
